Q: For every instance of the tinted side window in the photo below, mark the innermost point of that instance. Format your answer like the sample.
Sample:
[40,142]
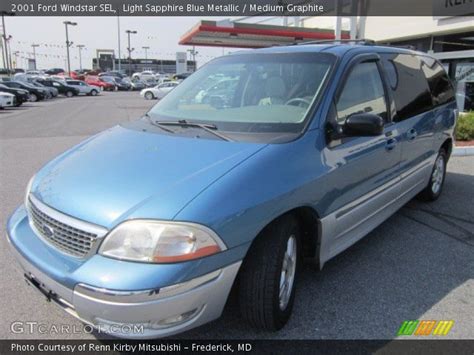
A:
[438,81]
[409,85]
[363,92]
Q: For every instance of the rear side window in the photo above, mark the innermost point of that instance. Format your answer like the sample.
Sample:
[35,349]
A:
[441,89]
[409,85]
[363,92]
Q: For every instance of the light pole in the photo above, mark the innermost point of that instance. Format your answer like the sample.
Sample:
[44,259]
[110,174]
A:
[80,46]
[10,52]
[119,54]
[16,58]
[68,44]
[146,52]
[130,50]
[193,52]
[34,53]
[6,61]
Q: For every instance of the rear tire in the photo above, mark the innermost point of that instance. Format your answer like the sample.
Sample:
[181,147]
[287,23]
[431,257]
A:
[33,98]
[268,274]
[438,175]
[69,94]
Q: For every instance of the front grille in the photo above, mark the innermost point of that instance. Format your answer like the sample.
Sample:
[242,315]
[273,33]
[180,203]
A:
[68,239]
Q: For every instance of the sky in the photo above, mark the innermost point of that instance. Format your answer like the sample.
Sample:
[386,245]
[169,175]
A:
[161,34]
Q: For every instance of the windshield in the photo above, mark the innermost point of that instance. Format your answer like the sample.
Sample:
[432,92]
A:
[252,93]
[28,85]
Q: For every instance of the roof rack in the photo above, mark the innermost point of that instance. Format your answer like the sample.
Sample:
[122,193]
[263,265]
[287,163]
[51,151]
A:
[363,41]
[402,46]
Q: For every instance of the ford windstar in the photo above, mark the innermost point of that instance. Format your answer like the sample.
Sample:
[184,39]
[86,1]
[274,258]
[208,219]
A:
[256,162]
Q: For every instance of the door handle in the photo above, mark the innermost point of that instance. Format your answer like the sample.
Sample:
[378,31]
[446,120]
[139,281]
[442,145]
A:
[391,143]
[412,133]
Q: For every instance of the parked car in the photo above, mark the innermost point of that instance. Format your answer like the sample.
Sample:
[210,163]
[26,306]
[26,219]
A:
[21,95]
[77,76]
[150,82]
[114,73]
[61,78]
[5,73]
[151,221]
[96,81]
[35,93]
[109,80]
[159,91]
[146,74]
[138,84]
[181,76]
[6,99]
[34,73]
[50,91]
[217,89]
[83,87]
[83,71]
[61,86]
[54,71]
[120,84]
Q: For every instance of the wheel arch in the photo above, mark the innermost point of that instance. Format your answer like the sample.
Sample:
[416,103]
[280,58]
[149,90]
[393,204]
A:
[309,222]
[448,147]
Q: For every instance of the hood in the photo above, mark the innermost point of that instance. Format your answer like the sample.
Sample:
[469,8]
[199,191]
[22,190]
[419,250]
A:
[124,173]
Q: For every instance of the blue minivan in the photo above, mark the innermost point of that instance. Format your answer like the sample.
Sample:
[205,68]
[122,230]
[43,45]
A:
[303,151]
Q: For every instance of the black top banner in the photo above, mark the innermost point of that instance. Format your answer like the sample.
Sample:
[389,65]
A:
[437,8]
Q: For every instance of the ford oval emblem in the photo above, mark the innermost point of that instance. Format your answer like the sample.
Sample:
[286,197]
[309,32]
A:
[48,231]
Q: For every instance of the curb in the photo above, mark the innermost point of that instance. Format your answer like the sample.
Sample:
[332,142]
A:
[463,151]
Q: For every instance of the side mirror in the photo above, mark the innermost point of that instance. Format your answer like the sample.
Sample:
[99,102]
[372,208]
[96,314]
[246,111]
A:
[363,124]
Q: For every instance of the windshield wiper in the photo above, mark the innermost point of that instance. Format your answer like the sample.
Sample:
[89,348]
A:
[210,128]
[156,123]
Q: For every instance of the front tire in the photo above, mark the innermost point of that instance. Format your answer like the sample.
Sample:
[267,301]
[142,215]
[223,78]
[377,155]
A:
[268,275]
[94,92]
[149,95]
[438,175]
[69,94]
[33,97]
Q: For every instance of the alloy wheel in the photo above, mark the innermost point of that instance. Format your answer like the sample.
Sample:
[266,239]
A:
[438,175]
[288,271]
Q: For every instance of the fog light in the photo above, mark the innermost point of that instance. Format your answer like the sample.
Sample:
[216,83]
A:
[175,320]
[114,327]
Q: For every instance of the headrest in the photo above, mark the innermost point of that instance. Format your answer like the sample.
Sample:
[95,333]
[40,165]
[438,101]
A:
[275,87]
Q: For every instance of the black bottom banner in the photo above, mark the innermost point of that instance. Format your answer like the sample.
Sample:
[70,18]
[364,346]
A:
[458,347]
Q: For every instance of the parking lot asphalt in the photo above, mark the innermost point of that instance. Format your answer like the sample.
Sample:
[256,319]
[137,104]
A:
[419,264]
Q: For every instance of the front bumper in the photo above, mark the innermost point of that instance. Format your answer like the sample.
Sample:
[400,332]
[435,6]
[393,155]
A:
[9,102]
[138,313]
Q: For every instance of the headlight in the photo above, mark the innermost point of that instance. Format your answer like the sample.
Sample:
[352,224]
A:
[160,242]
[28,189]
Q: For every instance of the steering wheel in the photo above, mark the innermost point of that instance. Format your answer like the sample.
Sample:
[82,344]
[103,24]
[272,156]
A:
[298,101]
